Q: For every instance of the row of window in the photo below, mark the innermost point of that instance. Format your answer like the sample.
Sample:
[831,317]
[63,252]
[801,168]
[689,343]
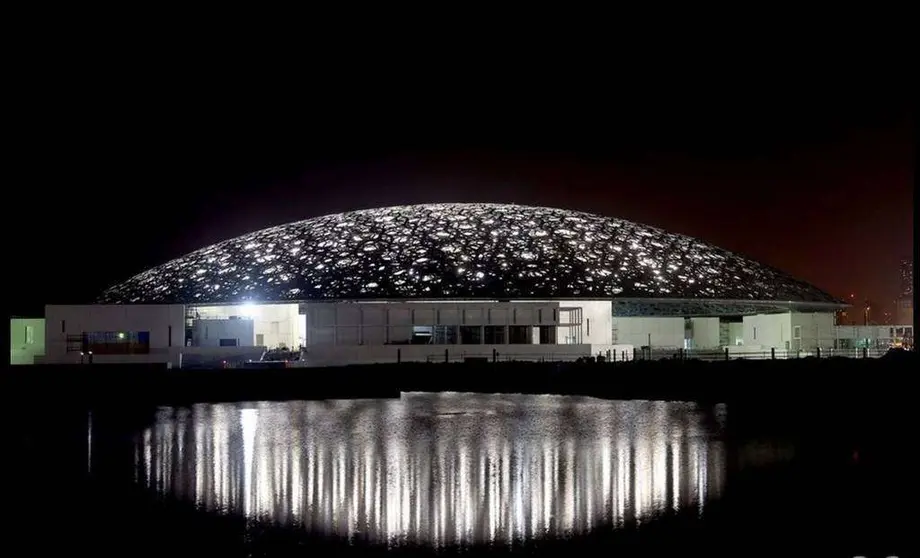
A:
[478,335]
[559,316]
[110,342]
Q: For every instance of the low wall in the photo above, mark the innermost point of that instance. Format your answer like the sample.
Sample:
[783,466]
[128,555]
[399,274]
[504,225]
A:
[392,354]
[175,357]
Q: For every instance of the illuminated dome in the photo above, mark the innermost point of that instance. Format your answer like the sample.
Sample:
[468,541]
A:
[484,251]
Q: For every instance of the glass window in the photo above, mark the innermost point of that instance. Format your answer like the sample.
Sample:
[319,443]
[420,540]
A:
[117,342]
[470,335]
[494,335]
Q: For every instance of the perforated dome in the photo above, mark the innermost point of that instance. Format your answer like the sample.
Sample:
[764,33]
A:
[486,251]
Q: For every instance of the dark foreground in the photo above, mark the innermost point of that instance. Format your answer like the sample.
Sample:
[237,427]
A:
[844,494]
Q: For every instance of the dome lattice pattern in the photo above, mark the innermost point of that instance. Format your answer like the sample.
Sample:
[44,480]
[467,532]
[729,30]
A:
[460,251]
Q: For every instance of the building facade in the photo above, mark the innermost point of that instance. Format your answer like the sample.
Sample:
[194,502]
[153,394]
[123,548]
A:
[350,332]
[27,340]
[447,282]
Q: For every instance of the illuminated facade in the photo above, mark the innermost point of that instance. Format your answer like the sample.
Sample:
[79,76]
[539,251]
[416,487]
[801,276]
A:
[27,340]
[904,311]
[446,282]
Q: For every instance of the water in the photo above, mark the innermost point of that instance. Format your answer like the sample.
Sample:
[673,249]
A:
[440,470]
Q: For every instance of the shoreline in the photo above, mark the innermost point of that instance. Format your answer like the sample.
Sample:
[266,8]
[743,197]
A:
[767,381]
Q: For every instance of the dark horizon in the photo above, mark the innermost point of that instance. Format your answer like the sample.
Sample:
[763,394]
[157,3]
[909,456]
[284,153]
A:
[819,186]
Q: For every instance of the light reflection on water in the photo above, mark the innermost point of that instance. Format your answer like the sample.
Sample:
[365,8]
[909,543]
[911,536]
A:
[438,469]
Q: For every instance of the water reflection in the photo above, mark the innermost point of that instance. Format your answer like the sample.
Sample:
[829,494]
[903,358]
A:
[438,469]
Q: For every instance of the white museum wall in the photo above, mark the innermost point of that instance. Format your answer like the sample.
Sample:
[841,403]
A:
[662,332]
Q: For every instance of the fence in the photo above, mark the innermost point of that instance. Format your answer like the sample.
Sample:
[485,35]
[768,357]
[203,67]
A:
[771,354]
[458,355]
[661,354]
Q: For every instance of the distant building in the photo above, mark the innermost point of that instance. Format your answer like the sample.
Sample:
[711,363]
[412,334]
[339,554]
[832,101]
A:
[905,303]
[907,278]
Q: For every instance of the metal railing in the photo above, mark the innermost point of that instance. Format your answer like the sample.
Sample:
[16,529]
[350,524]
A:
[503,357]
[769,354]
[661,354]
[458,355]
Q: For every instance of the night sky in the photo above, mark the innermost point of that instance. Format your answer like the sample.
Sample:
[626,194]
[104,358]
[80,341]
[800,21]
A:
[808,172]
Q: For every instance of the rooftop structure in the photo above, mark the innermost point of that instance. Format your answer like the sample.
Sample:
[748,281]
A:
[471,251]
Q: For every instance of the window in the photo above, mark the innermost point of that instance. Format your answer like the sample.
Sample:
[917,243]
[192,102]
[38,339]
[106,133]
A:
[547,335]
[30,335]
[755,332]
[797,332]
[470,335]
[519,335]
[588,327]
[444,335]
[494,335]
[116,342]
